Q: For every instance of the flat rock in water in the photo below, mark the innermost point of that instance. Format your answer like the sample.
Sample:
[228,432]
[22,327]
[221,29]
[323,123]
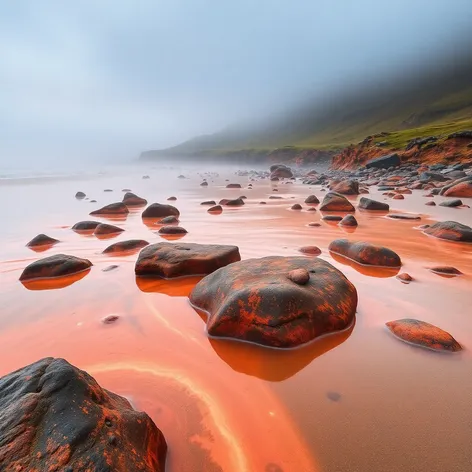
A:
[131,199]
[104,228]
[58,265]
[233,186]
[56,417]
[423,334]
[208,202]
[126,246]
[403,216]
[42,240]
[366,253]
[234,202]
[113,209]
[445,270]
[270,301]
[451,203]
[336,202]
[311,250]
[373,205]
[332,218]
[157,210]
[169,260]
[450,230]
[86,225]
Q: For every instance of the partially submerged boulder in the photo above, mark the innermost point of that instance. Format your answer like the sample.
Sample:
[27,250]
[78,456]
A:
[157,210]
[131,245]
[118,208]
[450,230]
[234,202]
[366,253]
[56,417]
[335,202]
[131,199]
[373,205]
[105,229]
[423,334]
[167,260]
[312,199]
[172,230]
[349,220]
[233,186]
[42,240]
[85,226]
[58,265]
[276,301]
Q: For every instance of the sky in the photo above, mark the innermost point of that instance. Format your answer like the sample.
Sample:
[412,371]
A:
[102,79]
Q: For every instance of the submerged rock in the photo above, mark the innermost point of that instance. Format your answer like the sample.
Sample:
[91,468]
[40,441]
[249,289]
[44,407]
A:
[56,417]
[55,266]
[423,334]
[366,253]
[215,209]
[157,210]
[336,202]
[450,230]
[168,260]
[276,301]
[332,218]
[445,270]
[126,246]
[373,205]
[233,186]
[208,202]
[113,209]
[405,278]
[42,240]
[234,202]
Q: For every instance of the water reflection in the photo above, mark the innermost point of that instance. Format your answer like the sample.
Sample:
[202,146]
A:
[371,271]
[54,283]
[180,287]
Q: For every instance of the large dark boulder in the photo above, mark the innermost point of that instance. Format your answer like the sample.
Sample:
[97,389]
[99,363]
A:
[58,265]
[157,210]
[450,230]
[369,204]
[453,184]
[113,209]
[384,162]
[366,253]
[462,189]
[336,202]
[424,335]
[56,417]
[276,301]
[169,260]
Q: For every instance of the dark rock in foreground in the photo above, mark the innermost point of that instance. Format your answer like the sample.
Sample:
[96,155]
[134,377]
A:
[450,230]
[169,260]
[276,301]
[55,266]
[126,246]
[56,417]
[423,334]
[157,210]
[42,240]
[384,162]
[113,209]
[366,253]
[369,204]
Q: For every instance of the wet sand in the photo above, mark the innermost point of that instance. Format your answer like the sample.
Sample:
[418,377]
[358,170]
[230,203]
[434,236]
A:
[357,401]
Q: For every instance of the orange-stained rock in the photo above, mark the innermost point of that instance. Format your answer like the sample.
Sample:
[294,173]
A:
[399,196]
[42,240]
[131,199]
[312,250]
[169,260]
[157,210]
[104,228]
[423,334]
[336,202]
[113,209]
[257,300]
[56,417]
[58,265]
[345,187]
[405,278]
[450,230]
[366,253]
[462,189]
[131,245]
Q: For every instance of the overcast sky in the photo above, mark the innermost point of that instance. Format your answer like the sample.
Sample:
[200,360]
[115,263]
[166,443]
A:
[106,78]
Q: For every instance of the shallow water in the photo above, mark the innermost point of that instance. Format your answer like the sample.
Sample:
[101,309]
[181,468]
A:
[357,401]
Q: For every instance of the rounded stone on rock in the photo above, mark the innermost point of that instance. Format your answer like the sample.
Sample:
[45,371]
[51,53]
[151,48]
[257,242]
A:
[423,334]
[58,265]
[254,300]
[157,210]
[299,276]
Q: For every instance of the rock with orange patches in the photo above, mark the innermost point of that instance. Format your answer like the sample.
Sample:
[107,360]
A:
[113,209]
[169,260]
[366,253]
[345,187]
[423,334]
[450,230]
[271,301]
[58,265]
[335,202]
[56,417]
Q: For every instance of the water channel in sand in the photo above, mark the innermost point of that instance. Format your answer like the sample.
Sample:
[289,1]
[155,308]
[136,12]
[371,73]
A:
[357,401]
